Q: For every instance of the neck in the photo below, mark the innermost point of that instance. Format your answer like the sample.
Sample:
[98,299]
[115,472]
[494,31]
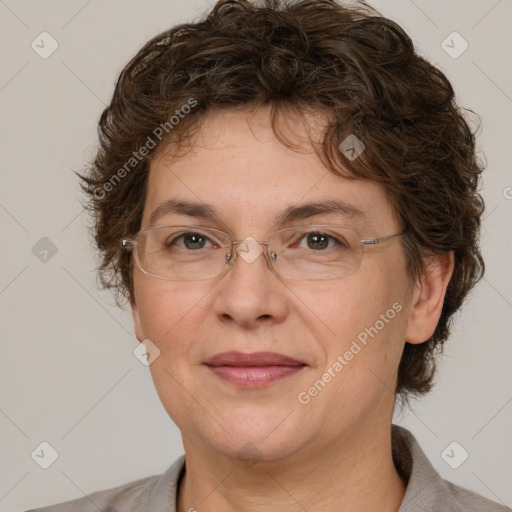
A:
[356,473]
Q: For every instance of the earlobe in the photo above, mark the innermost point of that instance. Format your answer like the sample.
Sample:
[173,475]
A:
[136,321]
[428,298]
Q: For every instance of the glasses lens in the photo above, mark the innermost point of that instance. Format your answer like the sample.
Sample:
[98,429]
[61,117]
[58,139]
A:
[182,252]
[316,252]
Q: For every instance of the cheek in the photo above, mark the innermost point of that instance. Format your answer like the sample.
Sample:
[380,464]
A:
[351,306]
[363,351]
[168,311]
[169,314]
[366,318]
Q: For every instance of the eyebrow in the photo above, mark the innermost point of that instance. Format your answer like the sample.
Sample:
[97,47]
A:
[292,213]
[307,210]
[199,210]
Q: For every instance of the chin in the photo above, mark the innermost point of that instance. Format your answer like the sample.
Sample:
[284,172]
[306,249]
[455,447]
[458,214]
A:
[251,436]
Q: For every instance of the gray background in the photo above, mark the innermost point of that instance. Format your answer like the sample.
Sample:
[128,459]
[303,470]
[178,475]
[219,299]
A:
[67,372]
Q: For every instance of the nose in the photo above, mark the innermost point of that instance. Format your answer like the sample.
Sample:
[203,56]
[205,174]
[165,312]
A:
[251,294]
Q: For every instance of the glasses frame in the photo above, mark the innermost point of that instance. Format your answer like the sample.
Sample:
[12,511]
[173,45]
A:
[130,244]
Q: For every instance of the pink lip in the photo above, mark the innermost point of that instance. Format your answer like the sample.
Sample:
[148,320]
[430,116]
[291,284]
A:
[255,370]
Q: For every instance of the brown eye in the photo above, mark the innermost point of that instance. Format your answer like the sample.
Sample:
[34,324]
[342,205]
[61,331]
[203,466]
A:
[317,241]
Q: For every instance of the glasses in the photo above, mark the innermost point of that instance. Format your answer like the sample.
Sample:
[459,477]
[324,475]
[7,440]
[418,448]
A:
[195,253]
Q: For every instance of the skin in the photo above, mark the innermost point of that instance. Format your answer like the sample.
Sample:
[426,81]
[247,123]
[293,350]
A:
[333,453]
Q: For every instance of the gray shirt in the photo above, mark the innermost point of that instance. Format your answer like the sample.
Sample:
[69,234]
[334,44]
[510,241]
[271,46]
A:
[426,490]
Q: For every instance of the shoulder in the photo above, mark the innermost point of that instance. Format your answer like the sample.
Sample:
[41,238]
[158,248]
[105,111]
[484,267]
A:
[153,493]
[426,490]
[466,500]
[124,497]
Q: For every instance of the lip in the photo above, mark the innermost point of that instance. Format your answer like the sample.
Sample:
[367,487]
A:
[253,370]
[244,359]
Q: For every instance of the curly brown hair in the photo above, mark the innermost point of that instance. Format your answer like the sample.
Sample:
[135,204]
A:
[358,69]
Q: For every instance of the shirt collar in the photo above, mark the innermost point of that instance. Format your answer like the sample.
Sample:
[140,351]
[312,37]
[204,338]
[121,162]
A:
[426,490]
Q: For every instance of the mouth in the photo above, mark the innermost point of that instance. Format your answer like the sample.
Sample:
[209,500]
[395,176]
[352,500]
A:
[256,370]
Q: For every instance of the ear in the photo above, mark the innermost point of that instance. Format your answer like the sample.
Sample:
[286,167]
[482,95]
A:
[136,321]
[428,298]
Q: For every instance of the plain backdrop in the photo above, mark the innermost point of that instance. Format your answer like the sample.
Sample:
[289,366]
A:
[68,375]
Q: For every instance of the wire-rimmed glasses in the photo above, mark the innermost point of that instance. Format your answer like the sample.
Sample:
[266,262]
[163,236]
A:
[195,253]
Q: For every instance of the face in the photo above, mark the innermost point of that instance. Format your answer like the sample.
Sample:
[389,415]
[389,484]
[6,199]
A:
[239,168]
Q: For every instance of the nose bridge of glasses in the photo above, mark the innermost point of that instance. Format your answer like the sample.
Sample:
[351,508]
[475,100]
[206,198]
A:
[249,250]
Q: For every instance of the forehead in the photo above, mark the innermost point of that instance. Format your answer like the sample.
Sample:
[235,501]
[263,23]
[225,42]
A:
[236,164]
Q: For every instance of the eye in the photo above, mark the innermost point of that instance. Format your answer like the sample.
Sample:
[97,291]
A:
[318,241]
[190,241]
